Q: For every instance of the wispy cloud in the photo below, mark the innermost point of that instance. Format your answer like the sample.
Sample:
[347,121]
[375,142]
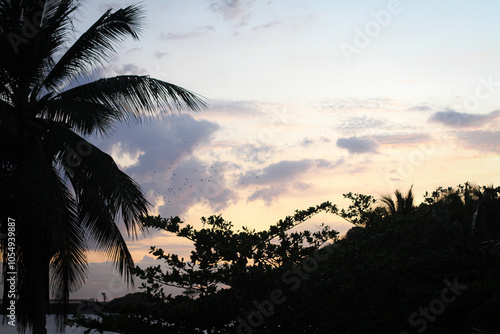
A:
[358,104]
[355,145]
[283,171]
[457,119]
[130,69]
[200,31]
[236,108]
[266,26]
[485,141]
[281,177]
[233,9]
[104,6]
[269,194]
[403,139]
[253,153]
[420,108]
[357,123]
[160,55]
[308,142]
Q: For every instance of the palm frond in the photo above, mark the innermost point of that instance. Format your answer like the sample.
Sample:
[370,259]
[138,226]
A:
[106,237]
[68,267]
[48,221]
[54,26]
[68,271]
[27,57]
[104,194]
[97,44]
[84,117]
[135,97]
[408,202]
[98,182]
[58,201]
[399,201]
[5,98]
[389,204]
[403,204]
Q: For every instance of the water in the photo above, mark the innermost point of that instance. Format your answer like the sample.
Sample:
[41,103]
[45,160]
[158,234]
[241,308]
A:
[51,327]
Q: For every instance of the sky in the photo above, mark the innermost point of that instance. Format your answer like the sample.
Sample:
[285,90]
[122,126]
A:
[308,100]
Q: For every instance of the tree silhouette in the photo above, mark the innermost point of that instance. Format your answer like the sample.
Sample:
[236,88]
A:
[386,276]
[403,204]
[63,192]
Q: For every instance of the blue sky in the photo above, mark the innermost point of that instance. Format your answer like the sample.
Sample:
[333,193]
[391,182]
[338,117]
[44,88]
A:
[294,118]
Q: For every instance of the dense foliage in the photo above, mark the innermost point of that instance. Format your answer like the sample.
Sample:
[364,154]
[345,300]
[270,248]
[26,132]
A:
[431,268]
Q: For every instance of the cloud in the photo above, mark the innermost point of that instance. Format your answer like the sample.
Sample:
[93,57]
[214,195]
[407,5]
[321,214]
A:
[233,9]
[104,6]
[268,195]
[284,171]
[402,140]
[236,108]
[486,141]
[164,142]
[457,119]
[161,158]
[352,104]
[266,26]
[99,72]
[420,108]
[281,177]
[160,55]
[191,183]
[307,142]
[253,153]
[134,51]
[357,123]
[271,194]
[110,70]
[200,31]
[129,69]
[356,145]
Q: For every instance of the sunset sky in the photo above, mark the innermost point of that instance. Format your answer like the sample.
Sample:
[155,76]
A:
[307,100]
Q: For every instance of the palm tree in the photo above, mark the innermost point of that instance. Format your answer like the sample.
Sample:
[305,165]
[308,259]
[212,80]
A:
[403,204]
[64,194]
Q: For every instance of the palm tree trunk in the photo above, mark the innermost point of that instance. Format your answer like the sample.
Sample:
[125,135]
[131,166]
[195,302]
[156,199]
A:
[39,306]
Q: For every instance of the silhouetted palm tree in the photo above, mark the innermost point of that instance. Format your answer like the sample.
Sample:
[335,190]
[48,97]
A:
[403,204]
[64,193]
